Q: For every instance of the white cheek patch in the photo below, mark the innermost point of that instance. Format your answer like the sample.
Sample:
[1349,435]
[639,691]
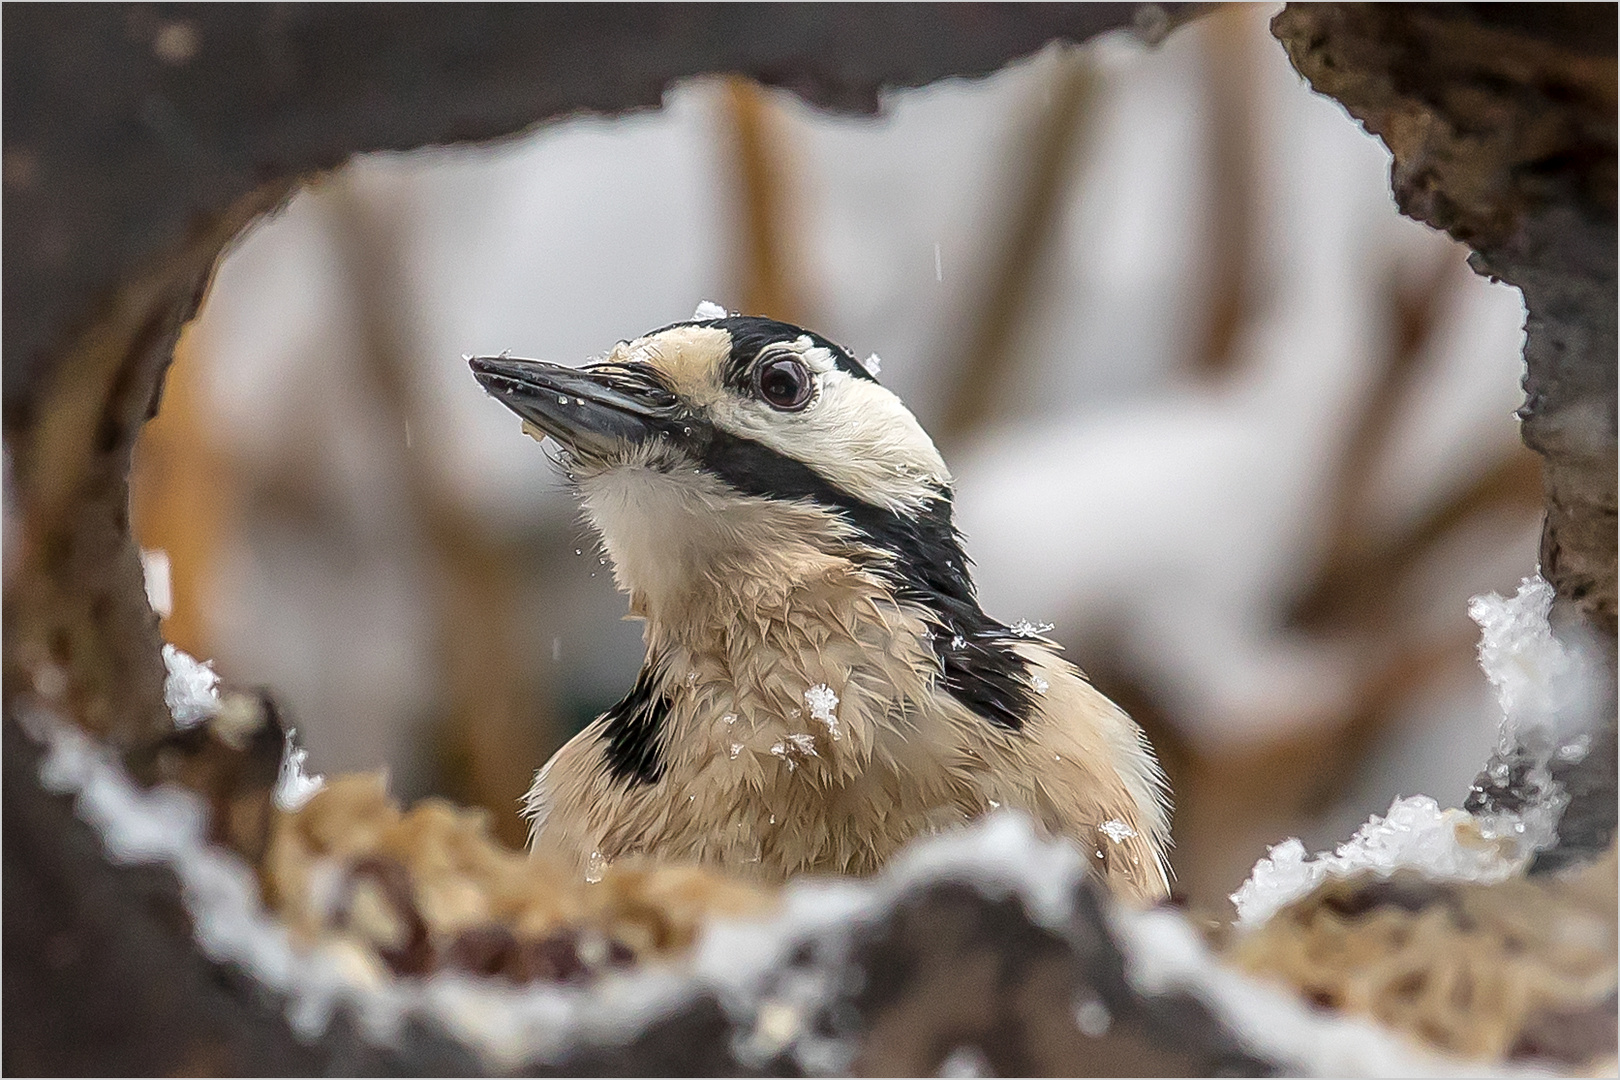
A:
[854,433]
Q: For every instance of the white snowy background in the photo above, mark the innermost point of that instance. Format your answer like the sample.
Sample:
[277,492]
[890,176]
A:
[1163,519]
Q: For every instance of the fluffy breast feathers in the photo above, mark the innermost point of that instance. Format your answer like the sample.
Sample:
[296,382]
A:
[803,726]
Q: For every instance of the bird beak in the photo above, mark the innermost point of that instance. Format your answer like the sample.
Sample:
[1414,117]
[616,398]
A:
[589,412]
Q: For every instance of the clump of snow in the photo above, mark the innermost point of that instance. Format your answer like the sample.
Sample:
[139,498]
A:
[1538,679]
[1041,685]
[155,570]
[294,787]
[191,690]
[1546,688]
[1545,694]
[1025,628]
[822,701]
[796,744]
[1416,834]
[1093,1018]
[708,309]
[1116,830]
[965,1061]
[874,364]
[1164,953]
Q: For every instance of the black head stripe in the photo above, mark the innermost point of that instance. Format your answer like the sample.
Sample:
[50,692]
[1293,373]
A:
[923,563]
[751,333]
[755,469]
[634,730]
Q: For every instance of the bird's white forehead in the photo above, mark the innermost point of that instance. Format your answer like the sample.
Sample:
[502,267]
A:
[690,359]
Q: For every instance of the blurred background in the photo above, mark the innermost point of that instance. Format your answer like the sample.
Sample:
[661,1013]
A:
[1240,431]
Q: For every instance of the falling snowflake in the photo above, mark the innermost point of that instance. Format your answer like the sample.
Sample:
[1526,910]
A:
[1093,1018]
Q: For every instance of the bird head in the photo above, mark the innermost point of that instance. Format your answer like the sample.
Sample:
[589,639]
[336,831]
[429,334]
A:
[763,407]
[703,442]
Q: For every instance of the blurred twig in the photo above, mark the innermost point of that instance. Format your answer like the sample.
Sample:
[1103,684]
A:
[1352,550]
[1356,588]
[767,251]
[490,735]
[1232,274]
[1357,597]
[1043,167]
[181,499]
[1237,802]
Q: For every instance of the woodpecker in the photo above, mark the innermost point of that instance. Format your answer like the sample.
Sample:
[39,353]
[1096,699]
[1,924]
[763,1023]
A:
[820,682]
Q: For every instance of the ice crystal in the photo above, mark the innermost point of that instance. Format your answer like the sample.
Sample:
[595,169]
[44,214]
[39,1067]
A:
[294,787]
[822,702]
[1415,834]
[191,690]
[1116,830]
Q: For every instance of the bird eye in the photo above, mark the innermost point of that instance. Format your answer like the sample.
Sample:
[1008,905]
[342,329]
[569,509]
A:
[784,383]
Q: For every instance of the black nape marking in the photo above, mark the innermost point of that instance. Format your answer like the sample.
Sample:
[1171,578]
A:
[924,564]
[633,730]
[976,655]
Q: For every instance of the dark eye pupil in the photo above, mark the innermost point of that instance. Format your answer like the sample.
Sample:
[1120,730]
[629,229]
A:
[785,384]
